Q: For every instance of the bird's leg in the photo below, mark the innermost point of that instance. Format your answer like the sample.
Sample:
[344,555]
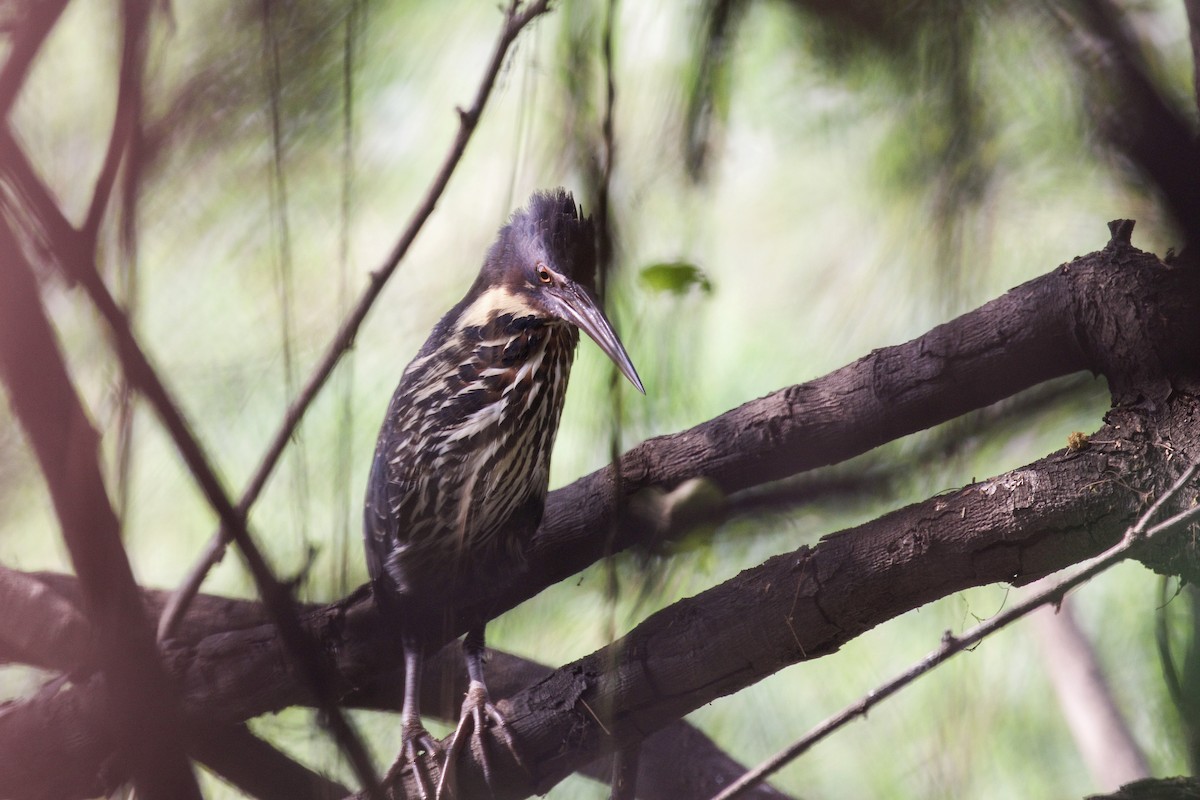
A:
[477,712]
[413,736]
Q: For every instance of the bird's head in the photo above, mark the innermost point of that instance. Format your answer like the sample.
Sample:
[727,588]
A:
[544,264]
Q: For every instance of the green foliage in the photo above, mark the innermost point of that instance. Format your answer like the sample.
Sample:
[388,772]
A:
[674,277]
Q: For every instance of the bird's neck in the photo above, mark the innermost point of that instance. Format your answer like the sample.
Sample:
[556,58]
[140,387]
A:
[499,328]
[518,344]
[482,346]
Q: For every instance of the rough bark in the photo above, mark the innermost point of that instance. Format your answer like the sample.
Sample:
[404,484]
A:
[678,763]
[806,604]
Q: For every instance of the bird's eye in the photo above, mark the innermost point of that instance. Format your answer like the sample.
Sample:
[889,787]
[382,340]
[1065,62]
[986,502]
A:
[543,273]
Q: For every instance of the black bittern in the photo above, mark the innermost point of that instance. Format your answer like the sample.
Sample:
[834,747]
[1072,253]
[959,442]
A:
[461,466]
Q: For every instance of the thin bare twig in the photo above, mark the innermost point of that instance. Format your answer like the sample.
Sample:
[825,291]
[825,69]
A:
[129,104]
[123,146]
[624,776]
[515,20]
[1135,535]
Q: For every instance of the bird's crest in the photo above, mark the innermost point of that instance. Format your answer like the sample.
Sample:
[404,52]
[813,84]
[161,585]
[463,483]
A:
[553,228]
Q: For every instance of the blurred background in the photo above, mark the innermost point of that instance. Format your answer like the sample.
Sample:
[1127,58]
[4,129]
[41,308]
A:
[793,184]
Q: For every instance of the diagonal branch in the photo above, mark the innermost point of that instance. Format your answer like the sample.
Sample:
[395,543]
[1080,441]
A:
[40,16]
[953,645]
[257,768]
[70,253]
[68,450]
[125,119]
[1136,117]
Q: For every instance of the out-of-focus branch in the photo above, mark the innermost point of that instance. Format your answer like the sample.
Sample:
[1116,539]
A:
[142,702]
[1182,678]
[1129,109]
[129,108]
[1100,731]
[720,21]
[69,252]
[257,768]
[1193,17]
[43,628]
[40,16]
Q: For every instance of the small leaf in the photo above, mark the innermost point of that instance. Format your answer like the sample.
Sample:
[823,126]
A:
[676,277]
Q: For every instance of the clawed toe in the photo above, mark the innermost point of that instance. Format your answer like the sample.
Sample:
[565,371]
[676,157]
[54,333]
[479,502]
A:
[477,712]
[420,750]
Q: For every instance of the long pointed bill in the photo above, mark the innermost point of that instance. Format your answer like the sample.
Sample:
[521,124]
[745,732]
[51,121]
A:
[577,306]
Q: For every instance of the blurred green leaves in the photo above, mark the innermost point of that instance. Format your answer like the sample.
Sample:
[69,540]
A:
[675,277]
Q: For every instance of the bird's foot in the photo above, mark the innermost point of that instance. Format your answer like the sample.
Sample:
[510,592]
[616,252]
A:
[477,712]
[419,750]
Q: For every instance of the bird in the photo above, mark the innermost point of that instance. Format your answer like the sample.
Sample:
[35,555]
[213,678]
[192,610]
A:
[461,467]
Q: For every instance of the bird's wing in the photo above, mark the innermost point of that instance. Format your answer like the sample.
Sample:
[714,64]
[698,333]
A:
[389,513]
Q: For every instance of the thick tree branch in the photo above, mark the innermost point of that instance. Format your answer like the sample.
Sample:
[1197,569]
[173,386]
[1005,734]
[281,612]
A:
[806,604]
[1054,592]
[679,763]
[881,474]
